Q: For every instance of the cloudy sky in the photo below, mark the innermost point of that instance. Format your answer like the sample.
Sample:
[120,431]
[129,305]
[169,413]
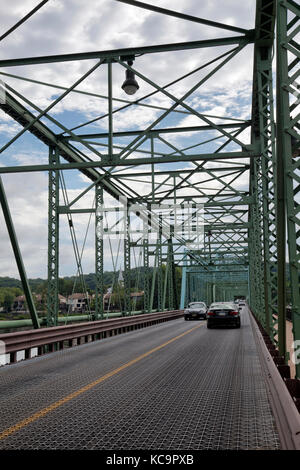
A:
[73,26]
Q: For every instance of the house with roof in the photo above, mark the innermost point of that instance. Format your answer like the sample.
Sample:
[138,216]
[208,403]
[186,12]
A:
[19,304]
[78,302]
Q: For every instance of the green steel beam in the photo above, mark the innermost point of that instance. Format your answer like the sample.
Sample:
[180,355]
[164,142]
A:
[106,162]
[53,240]
[99,251]
[129,51]
[18,256]
[288,170]
[263,135]
[156,132]
[127,264]
[183,16]
[23,19]
[170,275]
[159,267]
[174,173]
[147,307]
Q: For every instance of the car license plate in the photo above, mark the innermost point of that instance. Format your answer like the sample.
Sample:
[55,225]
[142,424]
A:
[194,314]
[222,314]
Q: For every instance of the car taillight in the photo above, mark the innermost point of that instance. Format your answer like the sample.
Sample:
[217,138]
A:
[234,313]
[210,313]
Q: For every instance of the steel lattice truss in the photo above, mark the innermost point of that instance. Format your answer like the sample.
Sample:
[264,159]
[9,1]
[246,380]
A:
[244,172]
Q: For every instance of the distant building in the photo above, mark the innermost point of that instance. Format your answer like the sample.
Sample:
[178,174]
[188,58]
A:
[19,304]
[77,302]
[111,300]
[62,303]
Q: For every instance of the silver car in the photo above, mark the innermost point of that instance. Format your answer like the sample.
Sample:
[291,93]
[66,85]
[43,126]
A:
[195,311]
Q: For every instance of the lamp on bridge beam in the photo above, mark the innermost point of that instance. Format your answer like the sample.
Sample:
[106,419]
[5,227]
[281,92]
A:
[130,85]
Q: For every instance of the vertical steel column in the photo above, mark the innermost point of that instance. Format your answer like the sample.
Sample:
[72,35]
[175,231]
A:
[166,284]
[16,249]
[53,239]
[127,283]
[262,214]
[265,140]
[183,284]
[159,267]
[110,112]
[255,244]
[288,157]
[146,265]
[170,275]
[153,283]
[99,251]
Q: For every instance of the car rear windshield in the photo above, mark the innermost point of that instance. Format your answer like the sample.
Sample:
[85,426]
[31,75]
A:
[197,305]
[223,305]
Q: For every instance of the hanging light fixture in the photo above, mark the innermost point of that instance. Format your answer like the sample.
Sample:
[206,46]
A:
[130,85]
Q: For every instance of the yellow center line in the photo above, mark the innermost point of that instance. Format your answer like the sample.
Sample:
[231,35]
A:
[39,414]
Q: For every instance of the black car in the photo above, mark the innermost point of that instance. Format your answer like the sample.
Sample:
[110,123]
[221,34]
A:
[195,311]
[223,314]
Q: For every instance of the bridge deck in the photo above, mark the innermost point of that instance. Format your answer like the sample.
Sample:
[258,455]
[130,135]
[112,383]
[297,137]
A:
[171,386]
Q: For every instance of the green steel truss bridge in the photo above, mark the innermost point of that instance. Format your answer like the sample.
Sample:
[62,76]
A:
[215,198]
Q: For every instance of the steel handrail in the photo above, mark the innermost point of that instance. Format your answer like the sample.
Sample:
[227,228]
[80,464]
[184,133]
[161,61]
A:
[23,340]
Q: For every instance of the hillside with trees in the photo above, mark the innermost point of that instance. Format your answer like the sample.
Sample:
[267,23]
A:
[10,288]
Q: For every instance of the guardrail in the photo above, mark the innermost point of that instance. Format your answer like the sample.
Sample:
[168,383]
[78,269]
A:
[24,323]
[56,338]
[283,404]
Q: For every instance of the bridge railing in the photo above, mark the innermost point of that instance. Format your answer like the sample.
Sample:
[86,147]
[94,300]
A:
[51,339]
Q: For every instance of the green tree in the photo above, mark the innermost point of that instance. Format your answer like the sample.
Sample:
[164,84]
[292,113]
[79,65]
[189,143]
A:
[7,297]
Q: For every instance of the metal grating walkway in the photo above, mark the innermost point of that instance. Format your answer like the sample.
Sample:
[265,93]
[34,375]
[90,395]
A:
[204,390]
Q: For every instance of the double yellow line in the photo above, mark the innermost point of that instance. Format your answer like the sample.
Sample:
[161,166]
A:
[39,414]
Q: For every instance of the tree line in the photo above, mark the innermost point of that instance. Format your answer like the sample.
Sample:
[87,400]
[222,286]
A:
[11,288]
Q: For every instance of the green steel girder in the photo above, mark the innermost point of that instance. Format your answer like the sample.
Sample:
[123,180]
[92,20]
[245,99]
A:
[265,169]
[159,267]
[146,255]
[99,251]
[156,132]
[114,55]
[127,265]
[53,240]
[106,162]
[262,215]
[255,252]
[172,297]
[183,16]
[18,256]
[288,166]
